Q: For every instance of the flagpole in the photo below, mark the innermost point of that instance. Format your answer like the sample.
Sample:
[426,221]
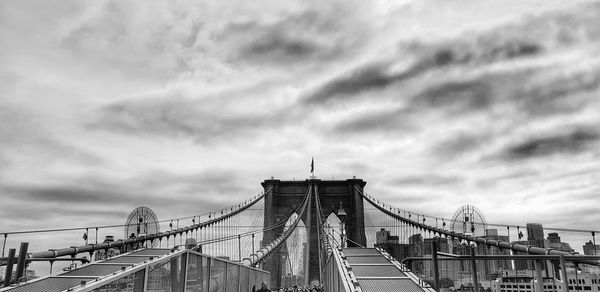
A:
[312,168]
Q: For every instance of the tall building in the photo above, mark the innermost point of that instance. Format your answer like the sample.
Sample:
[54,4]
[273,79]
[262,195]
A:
[591,249]
[381,236]
[555,243]
[535,234]
[390,243]
[535,237]
[576,282]
[497,266]
[522,265]
[445,268]
[415,249]
[442,245]
[553,237]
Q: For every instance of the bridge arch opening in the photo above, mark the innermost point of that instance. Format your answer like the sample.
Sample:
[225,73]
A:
[293,262]
[326,196]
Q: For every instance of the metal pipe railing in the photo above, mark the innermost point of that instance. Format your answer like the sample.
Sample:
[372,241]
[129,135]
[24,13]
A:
[469,238]
[90,248]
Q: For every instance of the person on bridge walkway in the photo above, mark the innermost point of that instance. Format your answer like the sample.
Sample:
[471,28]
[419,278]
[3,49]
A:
[263,288]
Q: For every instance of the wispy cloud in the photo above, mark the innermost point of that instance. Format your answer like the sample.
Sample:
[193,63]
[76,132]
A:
[574,141]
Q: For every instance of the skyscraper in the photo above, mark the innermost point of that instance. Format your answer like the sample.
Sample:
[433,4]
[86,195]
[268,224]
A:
[555,243]
[497,265]
[591,249]
[415,249]
[553,237]
[535,234]
[382,236]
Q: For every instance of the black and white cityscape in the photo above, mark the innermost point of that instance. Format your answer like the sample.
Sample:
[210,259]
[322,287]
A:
[300,145]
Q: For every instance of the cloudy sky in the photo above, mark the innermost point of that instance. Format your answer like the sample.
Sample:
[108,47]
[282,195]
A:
[186,106]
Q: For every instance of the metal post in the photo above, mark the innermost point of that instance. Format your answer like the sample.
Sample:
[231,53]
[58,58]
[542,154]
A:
[308,229]
[436,271]
[239,248]
[538,276]
[593,239]
[9,267]
[563,274]
[474,270]
[252,243]
[183,285]
[4,244]
[21,260]
[178,229]
[576,278]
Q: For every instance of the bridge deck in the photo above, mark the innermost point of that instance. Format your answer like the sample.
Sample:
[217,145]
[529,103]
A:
[153,270]
[88,273]
[376,272]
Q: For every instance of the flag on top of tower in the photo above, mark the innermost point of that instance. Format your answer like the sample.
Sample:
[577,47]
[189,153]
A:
[312,165]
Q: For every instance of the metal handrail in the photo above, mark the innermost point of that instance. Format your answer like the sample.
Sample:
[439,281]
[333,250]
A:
[489,242]
[90,248]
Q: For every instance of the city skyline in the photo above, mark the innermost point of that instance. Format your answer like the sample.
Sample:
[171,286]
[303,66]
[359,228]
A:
[110,105]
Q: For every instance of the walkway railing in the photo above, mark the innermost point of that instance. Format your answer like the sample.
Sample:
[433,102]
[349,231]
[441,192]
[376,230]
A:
[529,249]
[183,270]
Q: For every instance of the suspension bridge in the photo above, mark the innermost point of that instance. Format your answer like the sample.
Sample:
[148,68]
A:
[325,233]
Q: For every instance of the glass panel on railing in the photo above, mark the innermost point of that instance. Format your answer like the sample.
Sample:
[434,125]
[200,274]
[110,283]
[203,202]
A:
[245,279]
[217,276]
[233,281]
[167,277]
[130,283]
[197,279]
[265,278]
[254,282]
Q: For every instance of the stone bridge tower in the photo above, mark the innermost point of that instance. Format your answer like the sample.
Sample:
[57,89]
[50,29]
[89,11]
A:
[283,197]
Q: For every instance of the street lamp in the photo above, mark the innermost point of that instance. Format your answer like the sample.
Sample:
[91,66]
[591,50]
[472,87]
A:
[341,213]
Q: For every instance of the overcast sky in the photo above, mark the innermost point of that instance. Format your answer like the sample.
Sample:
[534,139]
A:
[186,106]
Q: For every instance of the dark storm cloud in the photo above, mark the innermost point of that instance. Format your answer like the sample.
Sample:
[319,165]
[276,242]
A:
[525,39]
[459,143]
[427,57]
[564,143]
[515,176]
[365,78]
[278,47]
[209,181]
[23,134]
[558,94]
[205,121]
[385,120]
[426,180]
[69,194]
[306,36]
[36,213]
[456,96]
[210,189]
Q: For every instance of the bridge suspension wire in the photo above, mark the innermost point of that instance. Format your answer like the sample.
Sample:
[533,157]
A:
[515,226]
[141,240]
[320,233]
[266,251]
[422,227]
[221,239]
[226,239]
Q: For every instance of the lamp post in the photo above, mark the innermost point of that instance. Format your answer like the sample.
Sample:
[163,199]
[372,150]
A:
[341,213]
